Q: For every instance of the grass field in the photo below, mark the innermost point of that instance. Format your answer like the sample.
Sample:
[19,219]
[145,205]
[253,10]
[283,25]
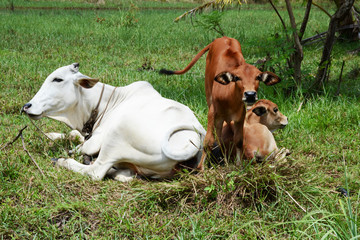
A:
[292,199]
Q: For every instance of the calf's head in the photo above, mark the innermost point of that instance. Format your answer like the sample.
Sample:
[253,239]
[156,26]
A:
[58,93]
[269,115]
[247,77]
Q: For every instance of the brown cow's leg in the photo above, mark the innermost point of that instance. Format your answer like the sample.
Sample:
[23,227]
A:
[209,137]
[238,140]
[200,167]
[218,128]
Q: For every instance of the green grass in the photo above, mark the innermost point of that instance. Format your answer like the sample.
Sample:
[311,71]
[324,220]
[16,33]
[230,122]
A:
[93,4]
[220,203]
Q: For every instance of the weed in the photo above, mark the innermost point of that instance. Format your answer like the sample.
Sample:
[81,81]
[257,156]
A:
[211,22]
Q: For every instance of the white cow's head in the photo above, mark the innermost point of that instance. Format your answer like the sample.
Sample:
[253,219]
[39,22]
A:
[59,93]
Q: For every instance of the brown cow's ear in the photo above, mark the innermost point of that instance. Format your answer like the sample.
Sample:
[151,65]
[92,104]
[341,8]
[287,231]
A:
[259,111]
[87,82]
[225,78]
[268,78]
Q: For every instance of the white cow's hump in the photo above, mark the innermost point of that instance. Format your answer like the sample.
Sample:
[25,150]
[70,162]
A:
[140,85]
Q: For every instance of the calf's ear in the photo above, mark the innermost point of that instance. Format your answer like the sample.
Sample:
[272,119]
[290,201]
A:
[259,111]
[268,78]
[225,78]
[86,82]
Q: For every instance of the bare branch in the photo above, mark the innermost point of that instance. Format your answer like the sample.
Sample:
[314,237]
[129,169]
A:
[277,12]
[323,34]
[322,9]
[305,20]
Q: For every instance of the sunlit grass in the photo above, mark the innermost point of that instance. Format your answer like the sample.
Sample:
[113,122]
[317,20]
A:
[222,202]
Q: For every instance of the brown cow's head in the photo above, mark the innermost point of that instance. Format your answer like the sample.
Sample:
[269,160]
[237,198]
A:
[248,79]
[269,114]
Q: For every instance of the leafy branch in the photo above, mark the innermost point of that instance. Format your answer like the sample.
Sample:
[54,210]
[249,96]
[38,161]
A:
[216,4]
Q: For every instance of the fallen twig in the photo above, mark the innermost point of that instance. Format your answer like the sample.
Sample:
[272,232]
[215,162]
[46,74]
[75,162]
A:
[302,208]
[298,204]
[41,131]
[300,106]
[19,135]
[322,35]
[14,140]
[28,153]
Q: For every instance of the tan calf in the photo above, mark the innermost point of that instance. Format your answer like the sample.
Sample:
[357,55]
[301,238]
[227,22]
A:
[230,83]
[261,120]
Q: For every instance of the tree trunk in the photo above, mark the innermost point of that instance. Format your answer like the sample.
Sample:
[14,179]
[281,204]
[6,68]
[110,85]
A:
[347,20]
[329,42]
[297,57]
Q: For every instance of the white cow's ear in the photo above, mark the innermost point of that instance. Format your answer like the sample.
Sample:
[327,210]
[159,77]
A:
[87,82]
[75,67]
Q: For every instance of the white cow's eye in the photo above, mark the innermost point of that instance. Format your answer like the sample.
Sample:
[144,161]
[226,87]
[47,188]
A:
[57,80]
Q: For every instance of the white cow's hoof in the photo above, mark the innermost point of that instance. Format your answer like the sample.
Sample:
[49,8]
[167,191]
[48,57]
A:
[123,179]
[122,175]
[60,162]
[54,161]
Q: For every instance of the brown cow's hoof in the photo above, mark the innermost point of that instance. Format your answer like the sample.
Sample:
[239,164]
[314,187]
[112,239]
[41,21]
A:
[216,156]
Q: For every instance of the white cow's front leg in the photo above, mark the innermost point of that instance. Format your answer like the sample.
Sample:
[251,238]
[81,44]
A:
[76,135]
[96,171]
[55,136]
[73,135]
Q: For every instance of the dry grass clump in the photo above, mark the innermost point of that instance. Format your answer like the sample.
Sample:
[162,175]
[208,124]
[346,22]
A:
[229,186]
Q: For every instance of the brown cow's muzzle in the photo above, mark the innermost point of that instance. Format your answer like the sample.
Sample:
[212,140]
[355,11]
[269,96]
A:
[250,97]
[284,122]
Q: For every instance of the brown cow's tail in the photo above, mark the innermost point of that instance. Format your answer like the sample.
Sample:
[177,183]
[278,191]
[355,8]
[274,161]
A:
[187,68]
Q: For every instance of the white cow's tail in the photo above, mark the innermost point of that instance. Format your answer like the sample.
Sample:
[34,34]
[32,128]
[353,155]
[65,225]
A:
[183,143]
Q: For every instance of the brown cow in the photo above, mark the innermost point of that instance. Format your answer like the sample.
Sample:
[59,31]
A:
[261,120]
[226,101]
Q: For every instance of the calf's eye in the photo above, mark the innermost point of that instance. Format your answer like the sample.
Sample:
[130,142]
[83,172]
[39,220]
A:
[275,110]
[57,80]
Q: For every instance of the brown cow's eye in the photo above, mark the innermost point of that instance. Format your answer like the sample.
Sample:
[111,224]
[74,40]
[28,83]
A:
[275,110]
[57,80]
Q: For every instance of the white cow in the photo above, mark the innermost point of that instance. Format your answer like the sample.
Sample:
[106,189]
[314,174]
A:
[136,130]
